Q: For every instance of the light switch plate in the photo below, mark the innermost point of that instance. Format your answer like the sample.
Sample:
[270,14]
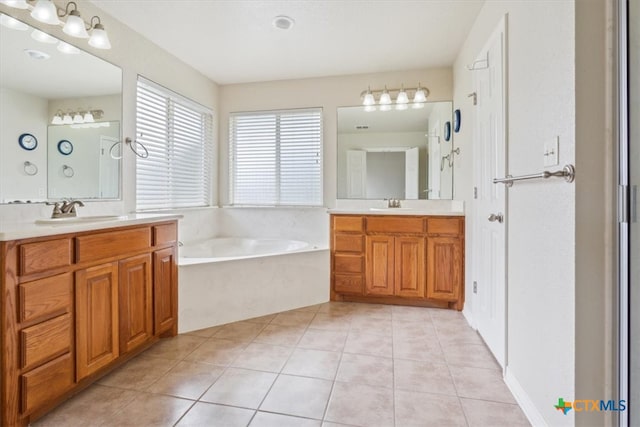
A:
[551,152]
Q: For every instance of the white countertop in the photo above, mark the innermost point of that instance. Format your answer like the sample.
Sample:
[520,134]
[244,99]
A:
[394,211]
[24,230]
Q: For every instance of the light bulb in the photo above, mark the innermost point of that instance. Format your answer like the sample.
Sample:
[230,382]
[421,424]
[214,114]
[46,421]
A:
[77,118]
[99,38]
[88,117]
[420,96]
[369,99]
[75,26]
[14,24]
[402,98]
[57,120]
[385,98]
[67,119]
[18,4]
[45,11]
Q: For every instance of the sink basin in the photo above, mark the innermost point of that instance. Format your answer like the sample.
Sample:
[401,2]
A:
[391,209]
[78,219]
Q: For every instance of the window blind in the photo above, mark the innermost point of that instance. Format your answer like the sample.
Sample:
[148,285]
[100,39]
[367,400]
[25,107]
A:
[276,158]
[178,133]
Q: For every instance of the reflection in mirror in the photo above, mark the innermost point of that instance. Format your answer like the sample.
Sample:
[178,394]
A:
[398,154]
[43,90]
[80,165]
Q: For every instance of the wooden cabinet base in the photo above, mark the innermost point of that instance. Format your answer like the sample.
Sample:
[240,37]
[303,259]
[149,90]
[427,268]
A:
[405,260]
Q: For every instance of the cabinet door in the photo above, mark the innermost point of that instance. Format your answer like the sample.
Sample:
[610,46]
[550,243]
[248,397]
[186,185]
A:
[444,268]
[165,291]
[136,302]
[409,266]
[379,262]
[96,318]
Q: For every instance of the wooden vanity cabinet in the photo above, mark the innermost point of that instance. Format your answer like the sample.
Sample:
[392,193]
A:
[75,306]
[415,260]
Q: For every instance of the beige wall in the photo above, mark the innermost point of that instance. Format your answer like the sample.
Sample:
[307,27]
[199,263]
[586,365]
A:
[135,55]
[328,93]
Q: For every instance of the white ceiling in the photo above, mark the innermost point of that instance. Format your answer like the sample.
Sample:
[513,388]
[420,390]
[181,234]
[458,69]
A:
[233,41]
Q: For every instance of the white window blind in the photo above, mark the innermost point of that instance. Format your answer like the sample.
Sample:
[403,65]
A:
[276,158]
[178,133]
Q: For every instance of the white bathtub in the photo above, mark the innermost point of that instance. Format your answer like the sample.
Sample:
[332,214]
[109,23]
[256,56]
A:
[224,280]
[233,248]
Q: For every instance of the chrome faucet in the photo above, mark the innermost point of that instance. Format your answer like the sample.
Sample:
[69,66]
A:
[65,210]
[393,203]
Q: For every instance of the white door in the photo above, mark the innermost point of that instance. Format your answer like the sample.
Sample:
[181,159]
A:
[411,174]
[489,213]
[356,174]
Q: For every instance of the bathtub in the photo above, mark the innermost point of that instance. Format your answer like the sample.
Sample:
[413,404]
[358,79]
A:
[224,280]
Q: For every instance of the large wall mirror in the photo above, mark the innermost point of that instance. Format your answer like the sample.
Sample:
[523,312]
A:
[402,154]
[60,115]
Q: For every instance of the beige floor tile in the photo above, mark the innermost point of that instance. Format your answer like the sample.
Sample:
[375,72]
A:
[313,363]
[206,332]
[308,309]
[415,409]
[263,357]
[484,384]
[92,407]
[317,339]
[300,396]
[364,369]
[418,348]
[329,322]
[361,405]
[208,415]
[363,343]
[239,331]
[481,413]
[188,380]
[337,307]
[263,319]
[280,335]
[217,352]
[289,318]
[138,373]
[410,314]
[428,377]
[373,326]
[175,348]
[445,314]
[266,419]
[449,337]
[240,387]
[470,355]
[373,311]
[151,410]
[409,330]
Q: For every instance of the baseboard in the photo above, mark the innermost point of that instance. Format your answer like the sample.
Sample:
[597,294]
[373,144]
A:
[530,411]
[467,315]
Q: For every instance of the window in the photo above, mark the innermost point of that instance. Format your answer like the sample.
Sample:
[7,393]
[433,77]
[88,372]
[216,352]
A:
[178,133]
[276,158]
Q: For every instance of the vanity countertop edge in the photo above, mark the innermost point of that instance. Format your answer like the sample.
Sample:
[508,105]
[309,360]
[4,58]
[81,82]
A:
[24,230]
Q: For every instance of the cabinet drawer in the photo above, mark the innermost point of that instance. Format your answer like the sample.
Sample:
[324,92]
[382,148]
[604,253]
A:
[444,226]
[45,383]
[348,243]
[45,297]
[45,340]
[348,284]
[348,223]
[114,243]
[379,224]
[41,256]
[165,234]
[343,263]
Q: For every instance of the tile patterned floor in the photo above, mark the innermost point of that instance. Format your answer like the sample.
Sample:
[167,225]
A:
[333,364]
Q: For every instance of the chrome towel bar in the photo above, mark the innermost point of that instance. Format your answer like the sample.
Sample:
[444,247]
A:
[568,173]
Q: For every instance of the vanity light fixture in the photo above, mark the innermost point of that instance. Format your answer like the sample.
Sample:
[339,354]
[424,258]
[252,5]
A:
[67,48]
[45,11]
[402,99]
[43,37]
[80,116]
